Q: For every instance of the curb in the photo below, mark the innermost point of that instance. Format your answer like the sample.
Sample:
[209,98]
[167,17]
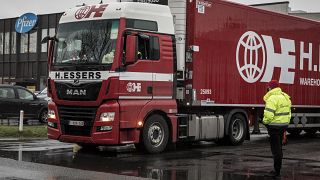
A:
[23,139]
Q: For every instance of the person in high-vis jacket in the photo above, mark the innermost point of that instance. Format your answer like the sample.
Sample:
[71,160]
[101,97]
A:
[277,115]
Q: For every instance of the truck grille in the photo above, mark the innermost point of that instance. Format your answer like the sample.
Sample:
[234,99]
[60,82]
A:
[71,113]
[81,92]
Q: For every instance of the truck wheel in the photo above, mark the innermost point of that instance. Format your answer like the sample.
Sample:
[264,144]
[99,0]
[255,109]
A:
[237,129]
[310,132]
[155,134]
[294,132]
[43,116]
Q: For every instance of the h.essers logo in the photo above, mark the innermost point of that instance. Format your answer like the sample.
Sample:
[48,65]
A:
[86,11]
[133,87]
[256,59]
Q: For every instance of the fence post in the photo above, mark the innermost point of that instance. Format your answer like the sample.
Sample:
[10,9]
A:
[21,121]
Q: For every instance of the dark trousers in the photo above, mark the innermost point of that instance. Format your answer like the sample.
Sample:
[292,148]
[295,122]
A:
[276,135]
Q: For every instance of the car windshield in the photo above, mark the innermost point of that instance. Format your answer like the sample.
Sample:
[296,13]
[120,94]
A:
[44,91]
[86,43]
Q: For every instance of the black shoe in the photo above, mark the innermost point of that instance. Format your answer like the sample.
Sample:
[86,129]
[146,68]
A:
[273,174]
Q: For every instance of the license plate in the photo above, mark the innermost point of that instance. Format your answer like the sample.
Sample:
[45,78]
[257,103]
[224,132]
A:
[76,123]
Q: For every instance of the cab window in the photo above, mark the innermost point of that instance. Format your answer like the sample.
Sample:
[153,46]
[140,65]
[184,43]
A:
[148,48]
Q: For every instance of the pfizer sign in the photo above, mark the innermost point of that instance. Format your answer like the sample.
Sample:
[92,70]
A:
[26,22]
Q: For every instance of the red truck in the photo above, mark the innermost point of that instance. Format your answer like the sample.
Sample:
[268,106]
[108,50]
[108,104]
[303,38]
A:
[153,75]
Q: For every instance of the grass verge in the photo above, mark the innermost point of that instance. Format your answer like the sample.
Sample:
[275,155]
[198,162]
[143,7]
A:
[28,131]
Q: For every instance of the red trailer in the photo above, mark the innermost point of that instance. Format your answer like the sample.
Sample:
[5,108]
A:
[154,75]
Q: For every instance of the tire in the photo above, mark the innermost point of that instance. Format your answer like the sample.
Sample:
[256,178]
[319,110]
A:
[43,116]
[294,132]
[155,134]
[237,130]
[311,132]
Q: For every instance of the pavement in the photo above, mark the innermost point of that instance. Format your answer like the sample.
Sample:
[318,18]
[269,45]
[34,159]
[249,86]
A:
[50,159]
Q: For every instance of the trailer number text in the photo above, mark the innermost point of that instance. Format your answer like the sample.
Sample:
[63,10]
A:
[205,91]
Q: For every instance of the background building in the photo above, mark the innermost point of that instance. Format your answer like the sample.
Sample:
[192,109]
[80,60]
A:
[23,59]
[283,7]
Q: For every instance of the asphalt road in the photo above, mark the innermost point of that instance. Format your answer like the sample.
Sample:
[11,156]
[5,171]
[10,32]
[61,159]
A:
[47,159]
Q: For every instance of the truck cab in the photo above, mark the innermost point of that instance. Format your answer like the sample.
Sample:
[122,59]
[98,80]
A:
[108,76]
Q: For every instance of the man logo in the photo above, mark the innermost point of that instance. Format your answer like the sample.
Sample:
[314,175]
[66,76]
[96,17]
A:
[251,57]
[76,81]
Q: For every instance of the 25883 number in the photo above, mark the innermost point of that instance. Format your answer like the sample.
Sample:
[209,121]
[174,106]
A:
[205,91]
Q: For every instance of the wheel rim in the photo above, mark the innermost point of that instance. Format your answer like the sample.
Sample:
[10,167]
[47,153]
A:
[155,134]
[44,116]
[237,129]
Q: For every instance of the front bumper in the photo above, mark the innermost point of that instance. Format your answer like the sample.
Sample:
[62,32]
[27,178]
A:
[67,133]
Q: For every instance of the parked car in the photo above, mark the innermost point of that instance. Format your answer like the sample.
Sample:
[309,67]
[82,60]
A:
[43,95]
[16,98]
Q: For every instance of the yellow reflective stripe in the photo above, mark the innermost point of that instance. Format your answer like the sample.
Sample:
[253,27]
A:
[282,114]
[279,124]
[270,110]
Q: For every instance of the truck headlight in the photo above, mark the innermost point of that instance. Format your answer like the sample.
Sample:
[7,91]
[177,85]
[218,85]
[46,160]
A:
[51,114]
[107,116]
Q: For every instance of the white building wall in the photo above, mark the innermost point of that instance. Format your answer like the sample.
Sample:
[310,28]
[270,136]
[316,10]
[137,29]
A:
[283,7]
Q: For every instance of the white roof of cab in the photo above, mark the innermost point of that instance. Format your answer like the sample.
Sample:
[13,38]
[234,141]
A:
[132,10]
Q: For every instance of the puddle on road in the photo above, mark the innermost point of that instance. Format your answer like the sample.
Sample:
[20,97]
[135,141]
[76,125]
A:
[175,165]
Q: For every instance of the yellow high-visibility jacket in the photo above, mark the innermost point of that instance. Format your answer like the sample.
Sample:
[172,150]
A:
[278,108]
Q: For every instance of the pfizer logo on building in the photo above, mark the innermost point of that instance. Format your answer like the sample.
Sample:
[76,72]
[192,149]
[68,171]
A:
[26,22]
[250,57]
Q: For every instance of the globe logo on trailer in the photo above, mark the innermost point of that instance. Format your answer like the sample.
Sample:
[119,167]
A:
[250,57]
[26,22]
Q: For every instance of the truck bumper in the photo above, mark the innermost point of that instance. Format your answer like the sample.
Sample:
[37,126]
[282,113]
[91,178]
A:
[102,138]
[61,130]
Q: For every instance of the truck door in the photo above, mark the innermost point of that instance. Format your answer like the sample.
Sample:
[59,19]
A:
[137,80]
[163,58]
[151,76]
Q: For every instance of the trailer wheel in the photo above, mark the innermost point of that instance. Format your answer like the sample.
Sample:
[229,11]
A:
[237,129]
[294,132]
[155,134]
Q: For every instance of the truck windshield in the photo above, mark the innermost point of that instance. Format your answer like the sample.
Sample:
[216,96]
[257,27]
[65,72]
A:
[86,43]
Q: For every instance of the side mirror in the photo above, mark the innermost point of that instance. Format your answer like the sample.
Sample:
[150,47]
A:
[48,38]
[50,53]
[131,49]
[45,39]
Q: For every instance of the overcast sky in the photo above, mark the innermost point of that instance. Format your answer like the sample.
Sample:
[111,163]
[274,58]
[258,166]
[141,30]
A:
[15,8]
